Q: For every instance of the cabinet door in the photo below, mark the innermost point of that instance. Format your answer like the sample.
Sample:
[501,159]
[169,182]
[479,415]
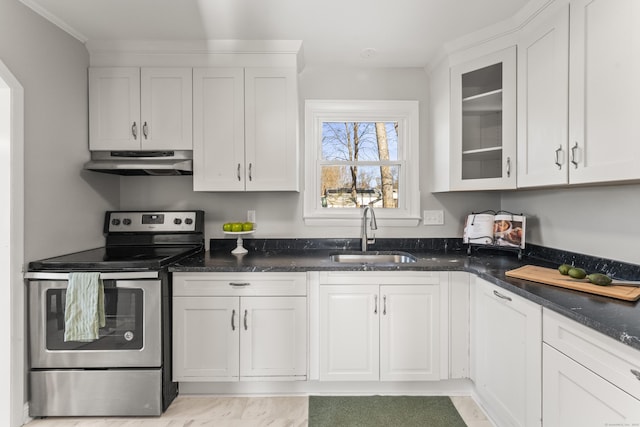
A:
[483,122]
[409,333]
[114,109]
[604,90]
[543,99]
[166,105]
[218,135]
[271,137]
[349,332]
[575,396]
[507,354]
[206,335]
[273,341]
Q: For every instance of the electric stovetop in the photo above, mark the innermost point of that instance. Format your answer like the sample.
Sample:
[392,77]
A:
[136,240]
[116,258]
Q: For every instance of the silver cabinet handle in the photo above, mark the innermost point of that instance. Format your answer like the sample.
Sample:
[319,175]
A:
[558,151]
[250,175]
[134,130]
[238,172]
[384,305]
[233,320]
[375,304]
[508,167]
[239,284]
[245,319]
[145,130]
[573,155]
[499,295]
[636,373]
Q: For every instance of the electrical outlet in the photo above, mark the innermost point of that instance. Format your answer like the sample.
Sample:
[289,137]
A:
[435,217]
[251,216]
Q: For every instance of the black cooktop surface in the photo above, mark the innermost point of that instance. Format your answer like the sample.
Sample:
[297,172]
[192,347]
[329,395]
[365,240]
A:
[116,258]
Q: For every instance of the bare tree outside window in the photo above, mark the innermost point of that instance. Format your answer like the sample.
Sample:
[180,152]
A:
[359,164]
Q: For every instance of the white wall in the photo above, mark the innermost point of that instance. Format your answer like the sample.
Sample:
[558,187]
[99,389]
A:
[599,221]
[64,207]
[6,275]
[280,214]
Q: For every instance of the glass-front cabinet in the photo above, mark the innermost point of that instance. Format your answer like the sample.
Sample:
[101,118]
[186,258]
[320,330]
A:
[483,122]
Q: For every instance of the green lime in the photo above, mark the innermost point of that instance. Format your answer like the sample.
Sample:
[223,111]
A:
[564,269]
[599,279]
[577,273]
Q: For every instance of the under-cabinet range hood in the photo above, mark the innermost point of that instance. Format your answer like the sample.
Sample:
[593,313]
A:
[160,163]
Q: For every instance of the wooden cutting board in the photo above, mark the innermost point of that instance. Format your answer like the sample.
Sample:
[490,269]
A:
[553,277]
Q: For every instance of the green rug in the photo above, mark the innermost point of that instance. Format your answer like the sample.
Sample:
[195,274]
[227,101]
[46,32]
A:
[373,411]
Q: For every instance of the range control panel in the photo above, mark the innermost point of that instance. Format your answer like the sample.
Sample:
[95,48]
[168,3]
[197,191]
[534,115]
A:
[168,221]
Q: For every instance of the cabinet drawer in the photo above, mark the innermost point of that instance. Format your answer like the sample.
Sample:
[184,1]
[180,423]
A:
[239,284]
[612,360]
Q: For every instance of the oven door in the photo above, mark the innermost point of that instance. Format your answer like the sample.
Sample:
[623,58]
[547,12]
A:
[131,336]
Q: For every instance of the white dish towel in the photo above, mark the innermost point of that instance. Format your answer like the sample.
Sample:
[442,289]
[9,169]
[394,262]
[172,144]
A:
[84,307]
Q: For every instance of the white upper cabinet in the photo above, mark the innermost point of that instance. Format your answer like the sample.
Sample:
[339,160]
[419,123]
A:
[271,129]
[140,109]
[577,92]
[218,121]
[604,131]
[543,92]
[577,109]
[483,122]
[245,129]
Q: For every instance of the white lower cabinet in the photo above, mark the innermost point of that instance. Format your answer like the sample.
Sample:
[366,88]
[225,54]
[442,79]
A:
[230,327]
[589,379]
[205,338]
[506,355]
[379,327]
[349,332]
[576,396]
[273,337]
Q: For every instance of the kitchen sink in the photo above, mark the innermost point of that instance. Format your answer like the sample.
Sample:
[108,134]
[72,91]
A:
[373,257]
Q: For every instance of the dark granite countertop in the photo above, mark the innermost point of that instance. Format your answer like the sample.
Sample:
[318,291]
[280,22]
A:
[615,318]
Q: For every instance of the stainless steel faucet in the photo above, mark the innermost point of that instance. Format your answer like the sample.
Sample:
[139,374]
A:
[372,224]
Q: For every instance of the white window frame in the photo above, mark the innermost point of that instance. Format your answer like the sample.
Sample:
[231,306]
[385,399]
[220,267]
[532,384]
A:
[406,113]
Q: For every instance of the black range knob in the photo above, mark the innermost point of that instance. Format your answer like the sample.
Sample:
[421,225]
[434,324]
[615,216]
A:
[188,221]
[177,221]
[115,221]
[126,221]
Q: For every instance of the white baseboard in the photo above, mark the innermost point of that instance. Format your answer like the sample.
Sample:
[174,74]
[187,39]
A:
[420,388]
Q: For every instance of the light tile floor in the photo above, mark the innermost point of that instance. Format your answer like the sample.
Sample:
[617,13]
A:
[201,411]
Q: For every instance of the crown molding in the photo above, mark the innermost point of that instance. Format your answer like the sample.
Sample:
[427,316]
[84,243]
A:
[54,19]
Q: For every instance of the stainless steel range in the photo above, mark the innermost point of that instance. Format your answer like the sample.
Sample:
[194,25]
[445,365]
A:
[126,369]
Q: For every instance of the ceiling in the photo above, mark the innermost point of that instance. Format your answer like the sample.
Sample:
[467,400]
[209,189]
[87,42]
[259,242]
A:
[398,33]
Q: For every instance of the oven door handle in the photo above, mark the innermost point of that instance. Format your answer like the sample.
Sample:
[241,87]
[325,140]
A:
[122,275]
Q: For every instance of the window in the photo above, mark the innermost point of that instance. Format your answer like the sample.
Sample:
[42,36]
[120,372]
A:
[361,153]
